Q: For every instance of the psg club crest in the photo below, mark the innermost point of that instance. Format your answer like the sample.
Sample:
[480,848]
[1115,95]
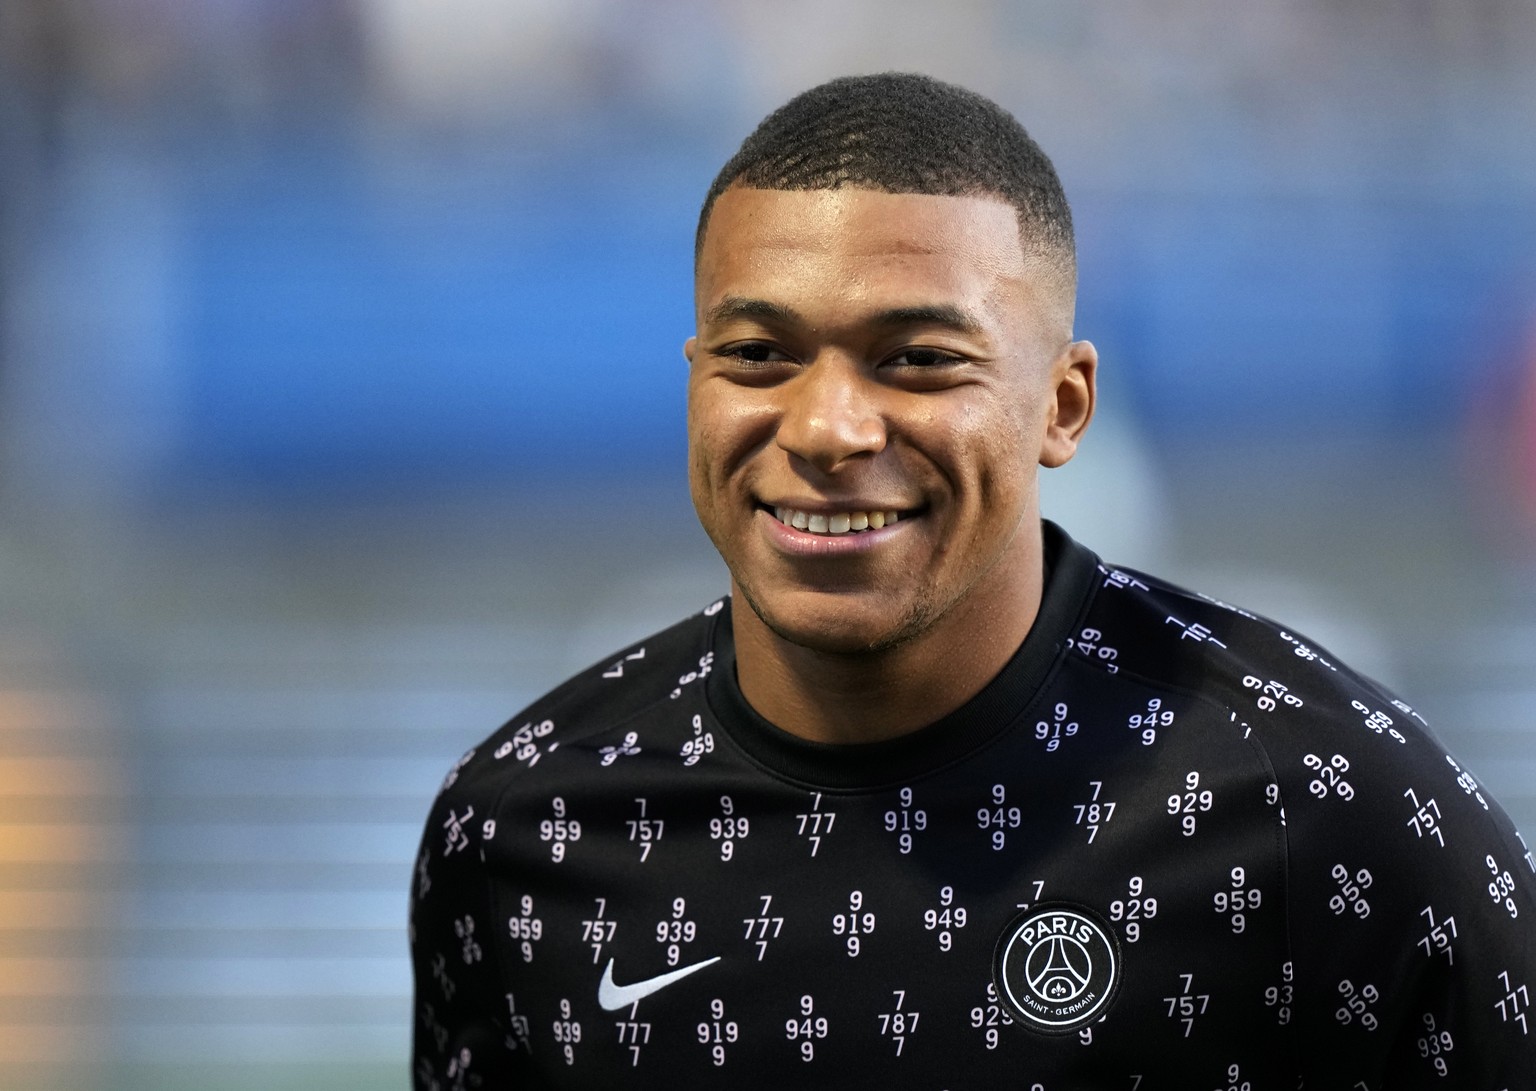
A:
[1057,966]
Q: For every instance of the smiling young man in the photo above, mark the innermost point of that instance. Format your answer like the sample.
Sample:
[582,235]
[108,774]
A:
[875,377]
[935,798]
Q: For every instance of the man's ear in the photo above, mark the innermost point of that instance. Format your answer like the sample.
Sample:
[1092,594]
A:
[1073,395]
[688,347]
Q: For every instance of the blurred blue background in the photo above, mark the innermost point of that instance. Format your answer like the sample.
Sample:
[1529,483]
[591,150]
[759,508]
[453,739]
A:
[341,414]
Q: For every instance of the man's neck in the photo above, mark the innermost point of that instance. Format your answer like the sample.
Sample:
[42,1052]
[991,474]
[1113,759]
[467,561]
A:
[871,696]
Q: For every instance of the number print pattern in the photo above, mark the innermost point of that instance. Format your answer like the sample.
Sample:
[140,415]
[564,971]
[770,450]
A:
[1278,850]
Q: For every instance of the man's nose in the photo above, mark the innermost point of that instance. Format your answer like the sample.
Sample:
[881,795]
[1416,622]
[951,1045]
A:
[832,414]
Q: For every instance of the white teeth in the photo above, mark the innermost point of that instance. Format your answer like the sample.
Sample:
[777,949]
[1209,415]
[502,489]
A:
[842,522]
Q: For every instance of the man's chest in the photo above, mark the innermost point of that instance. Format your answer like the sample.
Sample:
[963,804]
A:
[1090,926]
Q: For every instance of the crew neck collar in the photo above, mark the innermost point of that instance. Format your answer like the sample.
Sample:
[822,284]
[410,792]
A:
[854,766]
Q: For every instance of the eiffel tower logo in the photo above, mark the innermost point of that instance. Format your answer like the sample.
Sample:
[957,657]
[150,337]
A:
[1059,969]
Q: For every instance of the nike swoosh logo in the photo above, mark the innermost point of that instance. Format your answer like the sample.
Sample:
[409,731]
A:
[613,997]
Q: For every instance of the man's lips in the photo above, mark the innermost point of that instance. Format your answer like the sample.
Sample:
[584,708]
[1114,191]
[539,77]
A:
[850,520]
[833,538]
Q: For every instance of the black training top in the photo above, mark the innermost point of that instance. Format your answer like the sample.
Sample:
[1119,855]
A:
[1171,845]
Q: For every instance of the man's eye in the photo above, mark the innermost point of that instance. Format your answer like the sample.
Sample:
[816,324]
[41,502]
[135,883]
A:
[753,352]
[922,358]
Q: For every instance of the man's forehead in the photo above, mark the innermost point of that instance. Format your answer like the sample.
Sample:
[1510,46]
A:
[854,219]
[845,246]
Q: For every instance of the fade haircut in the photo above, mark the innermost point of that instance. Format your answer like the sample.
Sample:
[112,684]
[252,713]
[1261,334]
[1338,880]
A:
[905,133]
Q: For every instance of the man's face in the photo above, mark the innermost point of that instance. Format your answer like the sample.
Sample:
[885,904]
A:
[874,380]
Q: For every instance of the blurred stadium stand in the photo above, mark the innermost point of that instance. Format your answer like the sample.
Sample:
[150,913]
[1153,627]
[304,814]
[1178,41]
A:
[340,414]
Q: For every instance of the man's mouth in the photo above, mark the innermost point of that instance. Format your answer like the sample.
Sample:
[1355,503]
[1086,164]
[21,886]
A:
[842,522]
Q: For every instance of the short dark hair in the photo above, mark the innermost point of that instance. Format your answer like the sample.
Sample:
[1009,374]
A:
[904,133]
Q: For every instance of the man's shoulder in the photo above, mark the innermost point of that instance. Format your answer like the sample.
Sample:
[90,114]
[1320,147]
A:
[1155,630]
[622,687]
[1335,744]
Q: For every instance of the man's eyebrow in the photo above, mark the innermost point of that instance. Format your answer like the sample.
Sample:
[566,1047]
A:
[929,314]
[932,314]
[735,306]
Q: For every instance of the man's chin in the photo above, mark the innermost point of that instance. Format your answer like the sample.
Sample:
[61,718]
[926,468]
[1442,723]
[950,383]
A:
[837,624]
